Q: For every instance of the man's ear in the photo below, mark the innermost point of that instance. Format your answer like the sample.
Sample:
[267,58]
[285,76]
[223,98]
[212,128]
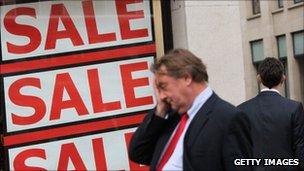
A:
[259,79]
[188,79]
[283,79]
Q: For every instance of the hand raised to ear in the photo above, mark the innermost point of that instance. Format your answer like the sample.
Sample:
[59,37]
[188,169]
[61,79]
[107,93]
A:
[162,106]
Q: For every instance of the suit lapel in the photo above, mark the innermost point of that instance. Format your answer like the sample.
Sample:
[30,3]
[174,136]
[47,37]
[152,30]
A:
[163,140]
[199,121]
[195,127]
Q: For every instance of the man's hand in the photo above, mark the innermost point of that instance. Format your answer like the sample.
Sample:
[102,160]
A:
[162,106]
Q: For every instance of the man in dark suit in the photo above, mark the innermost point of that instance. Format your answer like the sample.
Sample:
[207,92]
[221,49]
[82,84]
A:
[277,123]
[191,128]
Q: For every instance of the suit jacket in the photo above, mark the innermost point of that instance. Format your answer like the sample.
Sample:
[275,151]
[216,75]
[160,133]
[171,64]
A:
[218,134]
[277,128]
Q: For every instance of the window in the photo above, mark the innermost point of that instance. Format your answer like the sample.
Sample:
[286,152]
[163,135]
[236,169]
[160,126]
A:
[257,51]
[256,6]
[298,44]
[281,42]
[301,63]
[285,85]
[257,54]
[298,1]
[280,4]
[7,2]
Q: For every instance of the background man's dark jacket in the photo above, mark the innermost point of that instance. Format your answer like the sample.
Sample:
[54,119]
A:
[277,128]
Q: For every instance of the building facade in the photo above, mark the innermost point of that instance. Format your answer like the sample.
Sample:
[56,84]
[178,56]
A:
[211,30]
[274,29]
[232,37]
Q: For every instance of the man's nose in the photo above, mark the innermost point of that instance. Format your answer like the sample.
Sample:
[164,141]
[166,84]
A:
[162,95]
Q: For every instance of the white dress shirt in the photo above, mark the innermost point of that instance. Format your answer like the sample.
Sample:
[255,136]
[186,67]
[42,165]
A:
[175,162]
[272,89]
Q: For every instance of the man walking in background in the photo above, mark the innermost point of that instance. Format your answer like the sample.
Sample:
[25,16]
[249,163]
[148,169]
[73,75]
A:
[277,123]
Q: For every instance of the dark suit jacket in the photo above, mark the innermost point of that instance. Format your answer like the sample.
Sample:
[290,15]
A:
[217,135]
[277,128]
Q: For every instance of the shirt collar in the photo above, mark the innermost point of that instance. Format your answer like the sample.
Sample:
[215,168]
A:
[272,89]
[199,101]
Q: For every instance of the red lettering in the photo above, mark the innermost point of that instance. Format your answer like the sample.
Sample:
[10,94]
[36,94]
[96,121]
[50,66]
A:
[124,18]
[91,26]
[22,30]
[96,96]
[19,161]
[64,82]
[58,11]
[99,154]
[69,151]
[133,165]
[129,84]
[25,100]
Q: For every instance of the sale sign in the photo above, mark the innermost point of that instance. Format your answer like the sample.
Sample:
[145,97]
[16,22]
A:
[76,94]
[103,151]
[75,82]
[52,27]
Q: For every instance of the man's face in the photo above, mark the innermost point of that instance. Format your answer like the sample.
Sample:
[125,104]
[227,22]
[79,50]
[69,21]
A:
[173,91]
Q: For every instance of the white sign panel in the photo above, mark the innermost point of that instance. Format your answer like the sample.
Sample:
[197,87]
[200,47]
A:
[105,151]
[52,27]
[77,94]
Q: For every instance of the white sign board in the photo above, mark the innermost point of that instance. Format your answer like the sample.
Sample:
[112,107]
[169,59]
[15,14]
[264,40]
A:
[52,27]
[76,81]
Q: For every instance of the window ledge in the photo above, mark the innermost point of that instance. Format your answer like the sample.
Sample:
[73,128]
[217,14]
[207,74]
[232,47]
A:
[253,17]
[296,5]
[277,11]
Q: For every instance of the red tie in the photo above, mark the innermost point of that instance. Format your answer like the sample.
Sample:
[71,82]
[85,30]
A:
[173,142]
